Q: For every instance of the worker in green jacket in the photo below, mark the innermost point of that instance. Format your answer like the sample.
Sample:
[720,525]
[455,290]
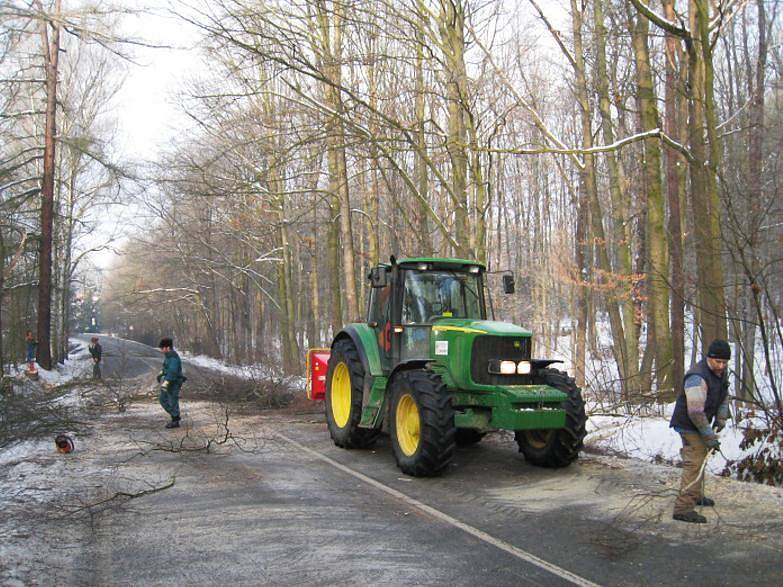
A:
[171,380]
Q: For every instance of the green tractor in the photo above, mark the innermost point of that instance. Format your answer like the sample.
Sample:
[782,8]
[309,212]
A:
[429,367]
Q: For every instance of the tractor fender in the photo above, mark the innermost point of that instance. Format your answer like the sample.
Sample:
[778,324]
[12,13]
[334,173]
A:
[544,363]
[407,366]
[404,366]
[363,338]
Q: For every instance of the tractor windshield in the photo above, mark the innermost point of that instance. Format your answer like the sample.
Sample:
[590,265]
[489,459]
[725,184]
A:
[430,295]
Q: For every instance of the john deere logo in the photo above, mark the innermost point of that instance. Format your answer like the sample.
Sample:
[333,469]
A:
[517,344]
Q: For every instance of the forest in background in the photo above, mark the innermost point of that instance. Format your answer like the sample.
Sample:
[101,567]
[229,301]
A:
[621,157]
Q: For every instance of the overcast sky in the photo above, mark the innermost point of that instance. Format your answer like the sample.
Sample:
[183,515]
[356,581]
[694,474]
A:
[145,107]
[148,115]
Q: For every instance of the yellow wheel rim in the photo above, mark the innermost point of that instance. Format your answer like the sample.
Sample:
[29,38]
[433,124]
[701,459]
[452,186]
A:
[408,425]
[341,395]
[538,438]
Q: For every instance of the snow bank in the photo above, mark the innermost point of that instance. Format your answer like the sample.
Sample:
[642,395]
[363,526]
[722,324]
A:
[249,372]
[651,439]
[22,451]
[75,366]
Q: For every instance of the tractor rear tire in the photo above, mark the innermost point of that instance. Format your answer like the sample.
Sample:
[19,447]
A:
[557,447]
[421,423]
[468,436]
[343,399]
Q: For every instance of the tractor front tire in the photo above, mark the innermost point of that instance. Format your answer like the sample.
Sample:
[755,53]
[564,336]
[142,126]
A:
[343,400]
[558,447]
[421,423]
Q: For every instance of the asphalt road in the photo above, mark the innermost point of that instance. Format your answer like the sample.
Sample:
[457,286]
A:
[125,358]
[296,510]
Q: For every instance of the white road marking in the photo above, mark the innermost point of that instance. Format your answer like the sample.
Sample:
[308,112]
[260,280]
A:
[480,534]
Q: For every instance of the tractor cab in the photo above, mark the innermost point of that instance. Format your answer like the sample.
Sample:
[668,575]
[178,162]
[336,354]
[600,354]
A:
[409,297]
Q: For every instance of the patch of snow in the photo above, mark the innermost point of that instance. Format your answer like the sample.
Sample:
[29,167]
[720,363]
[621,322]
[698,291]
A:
[249,372]
[650,439]
[75,366]
[21,451]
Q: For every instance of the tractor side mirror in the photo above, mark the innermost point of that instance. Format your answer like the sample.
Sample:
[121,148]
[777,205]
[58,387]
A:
[508,283]
[379,277]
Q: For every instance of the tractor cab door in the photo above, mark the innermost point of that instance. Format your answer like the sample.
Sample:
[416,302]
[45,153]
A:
[415,324]
[380,320]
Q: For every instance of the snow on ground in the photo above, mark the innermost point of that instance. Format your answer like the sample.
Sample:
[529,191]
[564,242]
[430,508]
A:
[649,438]
[243,371]
[250,372]
[76,365]
[21,450]
[17,455]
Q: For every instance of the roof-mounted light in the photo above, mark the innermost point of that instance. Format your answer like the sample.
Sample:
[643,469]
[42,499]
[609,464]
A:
[423,266]
[474,269]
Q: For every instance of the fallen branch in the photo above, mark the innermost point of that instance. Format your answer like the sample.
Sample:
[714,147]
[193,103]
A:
[127,496]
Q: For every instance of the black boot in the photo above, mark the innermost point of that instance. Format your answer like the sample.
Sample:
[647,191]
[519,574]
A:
[691,517]
[174,423]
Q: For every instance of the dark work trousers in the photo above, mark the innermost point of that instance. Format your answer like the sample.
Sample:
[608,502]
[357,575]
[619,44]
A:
[169,399]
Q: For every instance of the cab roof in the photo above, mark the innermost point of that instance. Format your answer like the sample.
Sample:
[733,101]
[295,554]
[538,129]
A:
[440,261]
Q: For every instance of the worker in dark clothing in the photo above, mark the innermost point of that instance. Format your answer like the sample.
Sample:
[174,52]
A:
[171,380]
[701,412]
[96,352]
[30,345]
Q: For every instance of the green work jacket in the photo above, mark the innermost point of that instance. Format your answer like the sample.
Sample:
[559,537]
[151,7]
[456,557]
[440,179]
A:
[172,368]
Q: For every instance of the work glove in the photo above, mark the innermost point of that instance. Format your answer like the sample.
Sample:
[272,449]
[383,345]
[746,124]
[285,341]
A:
[720,424]
[713,443]
[165,385]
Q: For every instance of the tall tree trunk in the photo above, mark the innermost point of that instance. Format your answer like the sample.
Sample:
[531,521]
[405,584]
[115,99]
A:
[452,37]
[285,286]
[627,345]
[756,134]
[2,299]
[333,265]
[590,189]
[330,25]
[481,194]
[372,196]
[704,191]
[659,335]
[51,51]
[674,191]
[316,250]
[420,165]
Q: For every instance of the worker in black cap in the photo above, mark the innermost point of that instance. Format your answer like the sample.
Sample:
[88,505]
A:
[701,412]
[170,379]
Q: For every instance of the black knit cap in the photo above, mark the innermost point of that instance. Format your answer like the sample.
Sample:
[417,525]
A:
[167,342]
[719,349]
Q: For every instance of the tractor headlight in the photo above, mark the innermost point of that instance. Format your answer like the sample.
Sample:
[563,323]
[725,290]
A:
[508,367]
[497,367]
